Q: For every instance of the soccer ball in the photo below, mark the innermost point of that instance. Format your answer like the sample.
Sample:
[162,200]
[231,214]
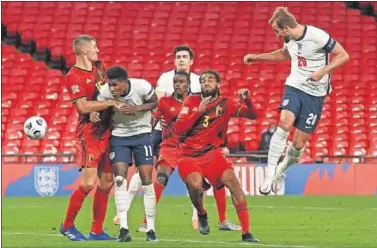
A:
[35,127]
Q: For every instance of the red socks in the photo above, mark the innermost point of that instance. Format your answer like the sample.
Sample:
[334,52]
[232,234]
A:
[75,202]
[220,196]
[99,209]
[158,189]
[243,216]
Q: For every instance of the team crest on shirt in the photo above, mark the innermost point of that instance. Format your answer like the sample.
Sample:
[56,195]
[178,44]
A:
[75,89]
[46,180]
[90,158]
[285,102]
[112,155]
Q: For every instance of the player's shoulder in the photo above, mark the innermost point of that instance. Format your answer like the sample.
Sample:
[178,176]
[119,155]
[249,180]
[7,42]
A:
[138,83]
[167,75]
[194,77]
[314,31]
[193,98]
[75,75]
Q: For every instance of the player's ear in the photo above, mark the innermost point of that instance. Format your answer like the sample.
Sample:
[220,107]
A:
[191,62]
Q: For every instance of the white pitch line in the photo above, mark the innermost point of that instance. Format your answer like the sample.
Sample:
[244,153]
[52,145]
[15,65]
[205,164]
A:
[186,241]
[230,207]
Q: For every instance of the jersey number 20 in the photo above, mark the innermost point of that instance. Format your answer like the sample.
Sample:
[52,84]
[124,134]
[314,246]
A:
[301,61]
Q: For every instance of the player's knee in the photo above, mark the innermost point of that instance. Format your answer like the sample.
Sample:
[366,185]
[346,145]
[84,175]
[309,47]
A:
[285,125]
[89,186]
[196,184]
[119,180]
[162,178]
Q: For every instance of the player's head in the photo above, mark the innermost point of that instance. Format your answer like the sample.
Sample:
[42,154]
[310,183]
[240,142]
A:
[86,45]
[183,58]
[283,23]
[210,83]
[181,83]
[118,80]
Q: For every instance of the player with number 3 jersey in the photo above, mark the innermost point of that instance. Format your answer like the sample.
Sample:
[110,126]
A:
[309,49]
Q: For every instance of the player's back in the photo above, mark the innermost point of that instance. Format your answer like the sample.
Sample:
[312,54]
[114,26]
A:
[168,110]
[308,55]
[209,131]
[82,83]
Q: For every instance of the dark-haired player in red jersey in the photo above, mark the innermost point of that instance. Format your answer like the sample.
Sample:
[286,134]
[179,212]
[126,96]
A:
[202,125]
[83,81]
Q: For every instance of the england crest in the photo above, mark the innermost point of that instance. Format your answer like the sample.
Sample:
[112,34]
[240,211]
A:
[46,180]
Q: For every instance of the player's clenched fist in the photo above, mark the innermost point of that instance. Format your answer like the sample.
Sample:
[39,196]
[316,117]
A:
[250,58]
[203,104]
[243,93]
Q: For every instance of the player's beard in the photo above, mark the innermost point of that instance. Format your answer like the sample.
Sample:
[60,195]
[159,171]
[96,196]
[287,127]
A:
[211,93]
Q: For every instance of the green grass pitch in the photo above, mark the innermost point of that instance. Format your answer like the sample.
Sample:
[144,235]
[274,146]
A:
[288,221]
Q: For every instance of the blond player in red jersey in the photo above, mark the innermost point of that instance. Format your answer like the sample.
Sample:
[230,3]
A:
[83,82]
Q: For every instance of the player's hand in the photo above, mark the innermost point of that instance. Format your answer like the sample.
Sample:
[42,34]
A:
[243,93]
[203,104]
[128,109]
[162,123]
[250,58]
[316,76]
[94,117]
[117,104]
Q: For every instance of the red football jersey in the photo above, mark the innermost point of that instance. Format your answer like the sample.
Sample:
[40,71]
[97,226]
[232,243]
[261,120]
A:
[168,109]
[200,133]
[82,83]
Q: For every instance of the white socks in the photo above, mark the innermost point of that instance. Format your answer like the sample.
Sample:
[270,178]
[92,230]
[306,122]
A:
[121,201]
[133,188]
[277,146]
[291,157]
[194,213]
[149,205]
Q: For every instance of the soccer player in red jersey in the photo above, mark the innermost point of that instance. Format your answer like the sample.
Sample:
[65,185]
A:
[202,125]
[83,81]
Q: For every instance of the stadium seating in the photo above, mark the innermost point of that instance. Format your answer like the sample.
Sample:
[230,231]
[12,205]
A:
[221,33]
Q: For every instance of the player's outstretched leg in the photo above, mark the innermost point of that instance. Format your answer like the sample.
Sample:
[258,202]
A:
[194,220]
[121,201]
[277,146]
[239,201]
[163,175]
[100,206]
[194,183]
[294,151]
[223,224]
[149,200]
[78,196]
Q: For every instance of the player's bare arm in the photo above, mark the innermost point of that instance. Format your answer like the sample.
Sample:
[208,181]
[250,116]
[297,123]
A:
[275,56]
[84,106]
[339,57]
[149,105]
[249,112]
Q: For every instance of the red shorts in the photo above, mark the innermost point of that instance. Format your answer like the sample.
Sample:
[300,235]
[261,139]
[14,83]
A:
[93,153]
[168,157]
[211,166]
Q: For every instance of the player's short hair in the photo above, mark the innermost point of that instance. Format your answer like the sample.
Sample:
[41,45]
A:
[213,72]
[183,73]
[283,18]
[79,40]
[117,72]
[184,48]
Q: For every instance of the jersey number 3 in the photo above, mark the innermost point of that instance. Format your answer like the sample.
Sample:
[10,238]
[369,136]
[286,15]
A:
[205,121]
[301,61]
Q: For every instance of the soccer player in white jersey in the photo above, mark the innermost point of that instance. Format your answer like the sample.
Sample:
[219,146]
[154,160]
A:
[131,135]
[306,87]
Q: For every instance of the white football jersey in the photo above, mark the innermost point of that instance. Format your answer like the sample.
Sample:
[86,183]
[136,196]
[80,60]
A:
[308,55]
[165,85]
[126,125]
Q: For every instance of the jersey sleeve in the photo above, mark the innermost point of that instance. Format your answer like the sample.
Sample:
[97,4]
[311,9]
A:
[147,90]
[104,93]
[186,117]
[158,113]
[324,40]
[76,87]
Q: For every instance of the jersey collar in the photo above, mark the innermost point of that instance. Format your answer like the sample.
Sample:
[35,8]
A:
[303,35]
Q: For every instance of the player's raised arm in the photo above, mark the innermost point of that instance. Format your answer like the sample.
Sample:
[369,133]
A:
[275,56]
[78,96]
[187,117]
[247,109]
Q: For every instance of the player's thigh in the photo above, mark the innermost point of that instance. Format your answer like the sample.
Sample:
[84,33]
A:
[168,158]
[190,171]
[89,153]
[142,149]
[120,155]
[105,172]
[214,172]
[290,108]
[156,141]
[89,177]
[310,113]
